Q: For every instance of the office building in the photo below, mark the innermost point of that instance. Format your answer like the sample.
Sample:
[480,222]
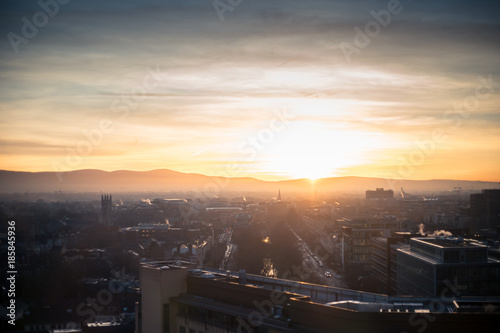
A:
[485,209]
[431,264]
[384,262]
[357,234]
[176,298]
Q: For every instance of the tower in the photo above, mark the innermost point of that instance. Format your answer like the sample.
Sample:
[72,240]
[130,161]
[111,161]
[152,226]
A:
[279,195]
[106,204]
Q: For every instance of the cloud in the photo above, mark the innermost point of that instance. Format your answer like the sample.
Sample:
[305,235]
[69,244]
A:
[222,79]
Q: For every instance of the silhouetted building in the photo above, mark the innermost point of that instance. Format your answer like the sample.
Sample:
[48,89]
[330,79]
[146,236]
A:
[380,198]
[106,209]
[432,264]
[380,193]
[485,209]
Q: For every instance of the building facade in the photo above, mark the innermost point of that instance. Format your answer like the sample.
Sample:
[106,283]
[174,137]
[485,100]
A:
[384,261]
[485,209]
[432,264]
[176,298]
[357,235]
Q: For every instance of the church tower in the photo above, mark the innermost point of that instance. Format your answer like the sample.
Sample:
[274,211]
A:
[106,205]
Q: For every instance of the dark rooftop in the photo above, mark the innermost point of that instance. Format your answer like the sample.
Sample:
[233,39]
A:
[450,242]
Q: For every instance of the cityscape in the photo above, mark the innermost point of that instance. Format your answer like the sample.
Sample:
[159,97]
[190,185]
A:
[249,166]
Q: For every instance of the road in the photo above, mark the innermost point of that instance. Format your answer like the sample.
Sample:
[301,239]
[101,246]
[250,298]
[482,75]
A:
[226,238]
[312,263]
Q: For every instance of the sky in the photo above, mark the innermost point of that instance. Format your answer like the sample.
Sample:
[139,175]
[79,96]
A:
[266,89]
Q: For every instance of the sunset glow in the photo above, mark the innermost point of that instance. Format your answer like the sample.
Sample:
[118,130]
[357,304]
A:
[168,85]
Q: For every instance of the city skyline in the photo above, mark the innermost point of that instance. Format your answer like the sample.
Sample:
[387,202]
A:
[273,91]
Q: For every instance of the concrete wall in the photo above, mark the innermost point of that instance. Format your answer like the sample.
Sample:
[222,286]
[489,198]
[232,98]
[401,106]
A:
[158,285]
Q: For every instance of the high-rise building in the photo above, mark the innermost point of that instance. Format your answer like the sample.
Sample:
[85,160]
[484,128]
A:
[432,264]
[485,209]
[384,262]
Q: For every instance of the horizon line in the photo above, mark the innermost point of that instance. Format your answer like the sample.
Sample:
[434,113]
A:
[242,177]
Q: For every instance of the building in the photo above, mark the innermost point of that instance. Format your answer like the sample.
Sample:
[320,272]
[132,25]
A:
[431,264]
[380,198]
[379,193]
[108,324]
[221,216]
[384,261]
[357,234]
[106,209]
[485,209]
[242,221]
[177,298]
[159,231]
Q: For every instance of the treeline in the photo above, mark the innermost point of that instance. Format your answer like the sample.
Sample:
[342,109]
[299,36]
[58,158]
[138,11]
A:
[267,249]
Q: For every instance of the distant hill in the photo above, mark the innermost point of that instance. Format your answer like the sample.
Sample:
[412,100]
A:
[168,180]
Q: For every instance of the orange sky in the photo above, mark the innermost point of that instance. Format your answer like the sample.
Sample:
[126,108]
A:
[267,93]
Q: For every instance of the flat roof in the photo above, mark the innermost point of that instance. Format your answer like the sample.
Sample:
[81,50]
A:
[448,242]
[223,208]
[420,256]
[166,264]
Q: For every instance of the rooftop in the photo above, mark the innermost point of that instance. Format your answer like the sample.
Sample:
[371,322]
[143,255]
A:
[166,264]
[449,242]
[316,294]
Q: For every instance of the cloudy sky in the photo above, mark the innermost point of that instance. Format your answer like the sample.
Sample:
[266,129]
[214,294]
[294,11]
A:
[268,89]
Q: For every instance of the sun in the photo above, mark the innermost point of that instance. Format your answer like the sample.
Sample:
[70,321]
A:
[313,150]
[304,166]
[303,163]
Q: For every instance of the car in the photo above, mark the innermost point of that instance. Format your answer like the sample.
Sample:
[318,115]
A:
[328,274]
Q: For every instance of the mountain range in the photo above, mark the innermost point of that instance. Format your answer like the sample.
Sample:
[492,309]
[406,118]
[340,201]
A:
[168,181]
